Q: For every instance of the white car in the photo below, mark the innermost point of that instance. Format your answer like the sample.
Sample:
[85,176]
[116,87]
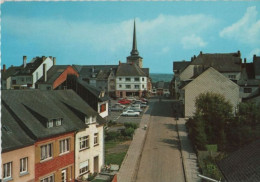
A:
[130,113]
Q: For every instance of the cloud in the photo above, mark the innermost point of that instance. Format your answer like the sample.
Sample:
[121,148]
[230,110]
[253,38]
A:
[246,30]
[192,41]
[164,31]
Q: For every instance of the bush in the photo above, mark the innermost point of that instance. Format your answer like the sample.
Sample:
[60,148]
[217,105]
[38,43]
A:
[131,125]
[113,135]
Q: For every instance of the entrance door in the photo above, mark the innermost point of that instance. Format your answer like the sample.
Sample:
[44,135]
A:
[96,167]
[64,175]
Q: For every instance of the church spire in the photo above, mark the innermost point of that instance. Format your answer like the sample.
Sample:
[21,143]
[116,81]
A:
[134,51]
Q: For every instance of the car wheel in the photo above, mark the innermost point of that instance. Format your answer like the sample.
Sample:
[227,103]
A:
[136,115]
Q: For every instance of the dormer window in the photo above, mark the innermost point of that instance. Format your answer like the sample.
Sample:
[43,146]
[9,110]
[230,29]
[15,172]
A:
[54,122]
[90,120]
[50,124]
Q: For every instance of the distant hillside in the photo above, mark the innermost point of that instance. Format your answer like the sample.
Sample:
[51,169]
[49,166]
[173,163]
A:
[161,77]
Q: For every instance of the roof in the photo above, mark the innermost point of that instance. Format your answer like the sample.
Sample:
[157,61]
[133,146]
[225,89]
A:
[95,91]
[228,62]
[13,135]
[179,66]
[10,71]
[146,71]
[125,69]
[34,108]
[242,165]
[214,73]
[31,66]
[256,62]
[53,73]
[100,71]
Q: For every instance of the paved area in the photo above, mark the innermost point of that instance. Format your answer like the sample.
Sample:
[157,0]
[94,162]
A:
[188,154]
[161,156]
[129,166]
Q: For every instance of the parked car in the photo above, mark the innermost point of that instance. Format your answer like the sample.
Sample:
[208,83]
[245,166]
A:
[130,113]
[143,105]
[116,108]
[124,101]
[120,105]
[131,98]
[135,109]
[136,106]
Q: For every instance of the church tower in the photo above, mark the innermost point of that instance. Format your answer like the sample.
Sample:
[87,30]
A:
[134,57]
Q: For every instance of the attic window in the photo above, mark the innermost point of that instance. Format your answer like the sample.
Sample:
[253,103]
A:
[90,120]
[50,124]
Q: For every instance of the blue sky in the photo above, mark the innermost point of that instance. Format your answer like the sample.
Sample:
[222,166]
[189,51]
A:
[90,33]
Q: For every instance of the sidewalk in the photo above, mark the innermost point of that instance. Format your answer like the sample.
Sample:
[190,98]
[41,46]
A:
[129,167]
[189,157]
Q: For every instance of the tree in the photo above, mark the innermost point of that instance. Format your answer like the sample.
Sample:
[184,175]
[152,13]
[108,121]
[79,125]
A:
[212,114]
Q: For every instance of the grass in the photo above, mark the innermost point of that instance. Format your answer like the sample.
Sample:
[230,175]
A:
[115,158]
[111,144]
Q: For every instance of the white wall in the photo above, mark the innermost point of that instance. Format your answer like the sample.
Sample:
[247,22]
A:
[132,83]
[39,70]
[210,81]
[105,113]
[93,151]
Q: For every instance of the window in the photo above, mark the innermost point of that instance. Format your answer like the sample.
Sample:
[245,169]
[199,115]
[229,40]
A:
[83,167]
[128,86]
[57,121]
[24,165]
[7,170]
[142,86]
[50,124]
[28,79]
[95,138]
[13,82]
[48,179]
[64,145]
[137,86]
[120,86]
[46,151]
[83,142]
[127,79]
[137,79]
[232,77]
[120,79]
[103,108]
[142,79]
[37,76]
[22,79]
[247,90]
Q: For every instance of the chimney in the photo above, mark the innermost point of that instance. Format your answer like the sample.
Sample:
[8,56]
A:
[43,58]
[93,69]
[194,57]
[254,58]
[200,52]
[44,72]
[191,59]
[119,62]
[24,61]
[4,68]
[238,53]
[54,60]
[244,60]
[50,57]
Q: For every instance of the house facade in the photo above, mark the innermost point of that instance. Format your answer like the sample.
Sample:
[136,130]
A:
[209,81]
[46,145]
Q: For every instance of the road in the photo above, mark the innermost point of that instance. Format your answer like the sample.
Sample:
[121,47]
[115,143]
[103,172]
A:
[161,156]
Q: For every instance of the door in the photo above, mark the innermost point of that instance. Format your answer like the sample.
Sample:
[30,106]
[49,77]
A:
[96,167]
[64,175]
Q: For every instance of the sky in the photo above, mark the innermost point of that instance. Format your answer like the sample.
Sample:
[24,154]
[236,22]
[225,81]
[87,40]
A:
[93,33]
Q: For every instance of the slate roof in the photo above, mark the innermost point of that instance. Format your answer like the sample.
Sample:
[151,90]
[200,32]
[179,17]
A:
[10,71]
[30,67]
[100,71]
[125,69]
[53,73]
[34,108]
[180,66]
[146,71]
[257,65]
[95,91]
[242,165]
[13,135]
[229,62]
